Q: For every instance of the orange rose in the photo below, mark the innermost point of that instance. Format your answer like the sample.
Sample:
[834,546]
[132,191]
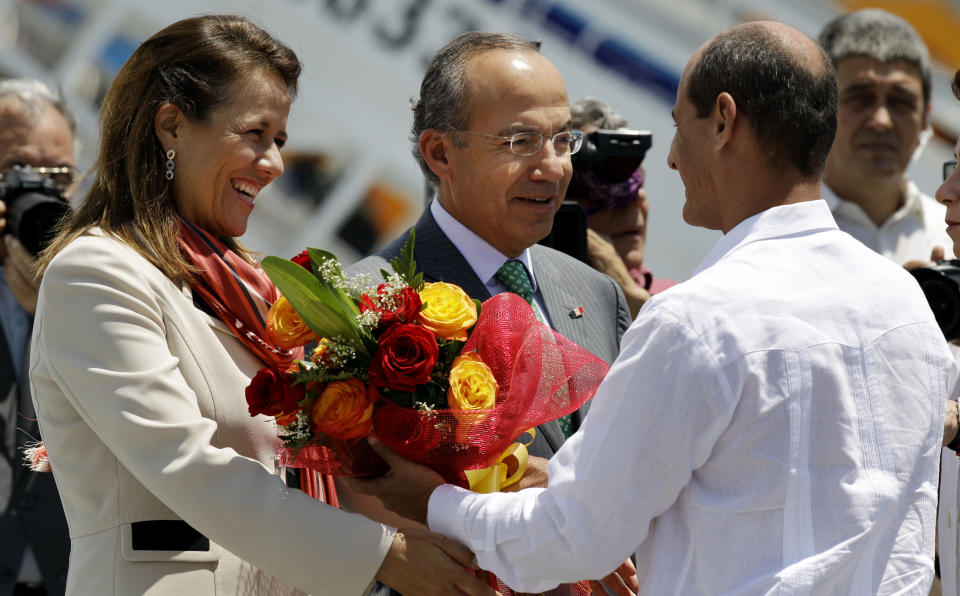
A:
[447,311]
[286,327]
[344,410]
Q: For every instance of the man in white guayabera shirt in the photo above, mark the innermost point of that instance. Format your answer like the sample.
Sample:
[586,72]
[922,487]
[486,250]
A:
[773,424]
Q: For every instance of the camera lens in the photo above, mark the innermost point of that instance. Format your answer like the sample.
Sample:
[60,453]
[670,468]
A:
[35,205]
[32,217]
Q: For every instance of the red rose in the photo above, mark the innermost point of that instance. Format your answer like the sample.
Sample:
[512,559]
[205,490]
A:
[393,306]
[271,393]
[302,259]
[404,358]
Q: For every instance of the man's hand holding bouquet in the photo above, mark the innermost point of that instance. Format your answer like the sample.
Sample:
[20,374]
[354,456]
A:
[435,376]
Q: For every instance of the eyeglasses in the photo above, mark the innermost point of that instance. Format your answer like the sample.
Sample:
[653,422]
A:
[63,176]
[525,144]
[948,168]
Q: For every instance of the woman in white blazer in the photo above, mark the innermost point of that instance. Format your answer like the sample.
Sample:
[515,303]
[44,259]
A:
[148,330]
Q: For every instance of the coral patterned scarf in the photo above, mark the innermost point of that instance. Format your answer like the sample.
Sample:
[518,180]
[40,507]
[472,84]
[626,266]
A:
[239,293]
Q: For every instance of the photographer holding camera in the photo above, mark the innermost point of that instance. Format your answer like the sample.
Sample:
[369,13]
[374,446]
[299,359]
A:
[609,189]
[37,173]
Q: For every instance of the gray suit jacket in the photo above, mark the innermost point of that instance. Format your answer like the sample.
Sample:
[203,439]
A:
[564,283]
[30,509]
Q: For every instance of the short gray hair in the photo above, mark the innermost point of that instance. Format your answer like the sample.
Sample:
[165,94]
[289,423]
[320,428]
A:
[592,111]
[880,35]
[34,96]
[443,102]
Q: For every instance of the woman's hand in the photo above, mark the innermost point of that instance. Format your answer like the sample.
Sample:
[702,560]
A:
[604,258]
[405,489]
[421,562]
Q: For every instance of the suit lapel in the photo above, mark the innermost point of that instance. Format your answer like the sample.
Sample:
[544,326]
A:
[439,259]
[559,302]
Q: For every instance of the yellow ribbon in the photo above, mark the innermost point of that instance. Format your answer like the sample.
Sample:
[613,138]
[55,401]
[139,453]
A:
[507,470]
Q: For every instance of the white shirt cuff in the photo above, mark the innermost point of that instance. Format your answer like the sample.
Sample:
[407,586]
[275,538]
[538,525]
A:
[447,513]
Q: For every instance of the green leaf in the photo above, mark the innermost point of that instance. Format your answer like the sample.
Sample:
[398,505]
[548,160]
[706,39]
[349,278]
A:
[405,265]
[327,310]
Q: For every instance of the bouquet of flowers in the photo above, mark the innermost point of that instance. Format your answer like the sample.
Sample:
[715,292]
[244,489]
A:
[434,375]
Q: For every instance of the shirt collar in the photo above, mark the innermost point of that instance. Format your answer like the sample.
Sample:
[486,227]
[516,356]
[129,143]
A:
[912,202]
[482,257]
[783,220]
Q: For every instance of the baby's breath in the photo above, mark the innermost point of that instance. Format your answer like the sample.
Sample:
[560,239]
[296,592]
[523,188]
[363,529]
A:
[369,320]
[358,284]
[426,408]
[395,282]
[329,270]
[339,353]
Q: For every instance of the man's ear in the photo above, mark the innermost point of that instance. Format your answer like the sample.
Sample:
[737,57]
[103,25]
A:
[434,146]
[167,124]
[725,115]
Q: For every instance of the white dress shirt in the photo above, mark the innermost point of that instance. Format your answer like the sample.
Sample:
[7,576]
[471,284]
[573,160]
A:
[910,233]
[772,425]
[482,257]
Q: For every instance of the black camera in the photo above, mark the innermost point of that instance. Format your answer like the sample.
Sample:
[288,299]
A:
[35,204]
[612,155]
[609,157]
[941,286]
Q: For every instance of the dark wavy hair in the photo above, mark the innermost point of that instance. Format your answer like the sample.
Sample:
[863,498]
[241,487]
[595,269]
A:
[192,64]
[791,107]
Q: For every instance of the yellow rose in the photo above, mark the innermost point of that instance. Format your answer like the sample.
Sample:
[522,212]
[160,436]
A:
[448,312]
[344,410]
[472,388]
[286,327]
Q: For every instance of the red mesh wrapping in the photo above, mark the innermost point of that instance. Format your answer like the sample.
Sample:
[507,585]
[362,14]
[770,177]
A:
[541,376]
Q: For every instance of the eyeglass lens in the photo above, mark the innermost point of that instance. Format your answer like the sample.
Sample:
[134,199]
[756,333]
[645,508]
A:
[948,168]
[528,143]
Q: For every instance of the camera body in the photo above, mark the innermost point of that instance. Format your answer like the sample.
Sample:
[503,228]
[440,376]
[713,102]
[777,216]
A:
[611,156]
[941,286]
[35,204]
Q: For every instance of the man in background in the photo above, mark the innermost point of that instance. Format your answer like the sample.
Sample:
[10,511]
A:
[36,130]
[617,213]
[883,69]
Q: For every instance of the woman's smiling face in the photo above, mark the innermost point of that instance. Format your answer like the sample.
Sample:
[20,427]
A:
[222,164]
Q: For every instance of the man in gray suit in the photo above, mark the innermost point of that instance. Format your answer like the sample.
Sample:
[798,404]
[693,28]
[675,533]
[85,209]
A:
[492,133]
[37,131]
